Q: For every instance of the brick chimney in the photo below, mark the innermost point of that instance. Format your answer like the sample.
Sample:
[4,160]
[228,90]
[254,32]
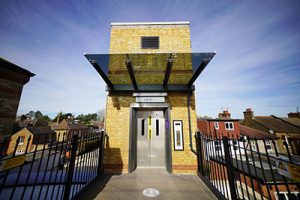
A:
[294,115]
[225,115]
[248,114]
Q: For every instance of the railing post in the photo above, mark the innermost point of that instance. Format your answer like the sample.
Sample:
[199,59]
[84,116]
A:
[199,153]
[74,146]
[101,151]
[229,168]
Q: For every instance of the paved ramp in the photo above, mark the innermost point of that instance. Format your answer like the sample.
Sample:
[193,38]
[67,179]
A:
[131,186]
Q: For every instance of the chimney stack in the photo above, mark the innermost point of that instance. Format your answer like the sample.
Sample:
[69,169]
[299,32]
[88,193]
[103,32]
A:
[248,114]
[58,118]
[294,115]
[225,115]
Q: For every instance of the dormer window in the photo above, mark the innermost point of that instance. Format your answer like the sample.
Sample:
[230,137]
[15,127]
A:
[229,126]
[150,42]
[216,125]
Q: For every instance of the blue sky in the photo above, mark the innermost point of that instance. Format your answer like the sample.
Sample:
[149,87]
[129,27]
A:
[257,43]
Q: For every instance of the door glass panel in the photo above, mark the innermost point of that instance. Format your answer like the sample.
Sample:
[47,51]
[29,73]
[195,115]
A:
[157,127]
[143,127]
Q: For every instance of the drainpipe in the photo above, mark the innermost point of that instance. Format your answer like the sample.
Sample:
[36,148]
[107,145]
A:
[190,124]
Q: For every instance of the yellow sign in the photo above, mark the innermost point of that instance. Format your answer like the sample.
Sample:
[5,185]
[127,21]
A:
[149,128]
[12,162]
[294,172]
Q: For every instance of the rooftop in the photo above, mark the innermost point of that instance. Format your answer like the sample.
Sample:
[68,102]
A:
[149,23]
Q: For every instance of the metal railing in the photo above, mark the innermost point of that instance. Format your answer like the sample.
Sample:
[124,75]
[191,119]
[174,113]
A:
[41,167]
[243,168]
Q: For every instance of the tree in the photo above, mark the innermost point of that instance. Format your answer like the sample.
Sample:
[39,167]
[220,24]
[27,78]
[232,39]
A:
[86,119]
[38,115]
[30,114]
[23,118]
[101,114]
[63,116]
[46,118]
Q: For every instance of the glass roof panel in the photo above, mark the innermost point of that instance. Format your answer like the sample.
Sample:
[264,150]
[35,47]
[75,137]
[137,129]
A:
[149,68]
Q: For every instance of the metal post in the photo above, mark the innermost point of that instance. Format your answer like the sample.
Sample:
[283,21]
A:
[230,168]
[199,153]
[101,149]
[74,145]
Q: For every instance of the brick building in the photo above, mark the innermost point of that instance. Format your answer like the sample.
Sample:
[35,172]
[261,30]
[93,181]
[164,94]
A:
[219,127]
[150,116]
[36,136]
[286,129]
[12,80]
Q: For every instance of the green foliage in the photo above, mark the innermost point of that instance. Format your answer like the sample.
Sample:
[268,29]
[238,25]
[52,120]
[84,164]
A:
[86,119]
[38,115]
[46,118]
[30,114]
[34,115]
[63,116]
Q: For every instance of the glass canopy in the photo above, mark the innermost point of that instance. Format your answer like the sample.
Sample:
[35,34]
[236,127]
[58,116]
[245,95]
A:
[153,71]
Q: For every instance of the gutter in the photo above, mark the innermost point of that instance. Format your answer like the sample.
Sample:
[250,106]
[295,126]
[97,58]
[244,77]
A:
[190,124]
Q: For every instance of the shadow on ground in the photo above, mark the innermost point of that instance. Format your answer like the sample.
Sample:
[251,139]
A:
[95,187]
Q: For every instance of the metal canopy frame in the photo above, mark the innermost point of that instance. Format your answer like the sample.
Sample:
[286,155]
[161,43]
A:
[102,74]
[135,87]
[168,72]
[131,74]
[198,72]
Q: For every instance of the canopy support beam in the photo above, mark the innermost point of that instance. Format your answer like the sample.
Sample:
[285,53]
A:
[131,73]
[102,74]
[168,72]
[201,67]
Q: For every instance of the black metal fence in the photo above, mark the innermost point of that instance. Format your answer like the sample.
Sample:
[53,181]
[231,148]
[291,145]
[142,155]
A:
[243,168]
[52,166]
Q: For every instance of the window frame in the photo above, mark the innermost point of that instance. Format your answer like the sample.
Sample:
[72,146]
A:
[253,145]
[22,139]
[229,128]
[268,145]
[158,42]
[216,127]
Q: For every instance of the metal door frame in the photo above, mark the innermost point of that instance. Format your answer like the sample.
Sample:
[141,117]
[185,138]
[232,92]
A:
[132,156]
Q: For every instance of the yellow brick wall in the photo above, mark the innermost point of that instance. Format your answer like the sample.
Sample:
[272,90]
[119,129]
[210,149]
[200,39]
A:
[183,161]
[22,133]
[127,39]
[117,130]
[172,38]
[60,135]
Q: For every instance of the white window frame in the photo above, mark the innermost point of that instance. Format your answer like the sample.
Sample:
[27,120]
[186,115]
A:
[216,125]
[268,143]
[253,145]
[229,128]
[21,142]
[285,194]
[20,152]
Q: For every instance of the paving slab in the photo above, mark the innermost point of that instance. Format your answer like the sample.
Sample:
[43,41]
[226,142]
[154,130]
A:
[131,186]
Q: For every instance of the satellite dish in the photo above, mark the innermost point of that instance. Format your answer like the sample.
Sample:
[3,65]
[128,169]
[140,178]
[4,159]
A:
[271,131]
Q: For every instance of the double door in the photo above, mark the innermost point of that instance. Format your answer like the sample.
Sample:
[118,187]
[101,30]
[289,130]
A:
[150,139]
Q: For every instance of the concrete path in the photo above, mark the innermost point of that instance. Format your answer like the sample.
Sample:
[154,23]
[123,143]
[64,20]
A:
[131,186]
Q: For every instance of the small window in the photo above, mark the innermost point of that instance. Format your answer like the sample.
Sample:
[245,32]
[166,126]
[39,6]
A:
[216,124]
[21,142]
[286,195]
[235,145]
[150,42]
[217,145]
[229,126]
[268,145]
[253,145]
